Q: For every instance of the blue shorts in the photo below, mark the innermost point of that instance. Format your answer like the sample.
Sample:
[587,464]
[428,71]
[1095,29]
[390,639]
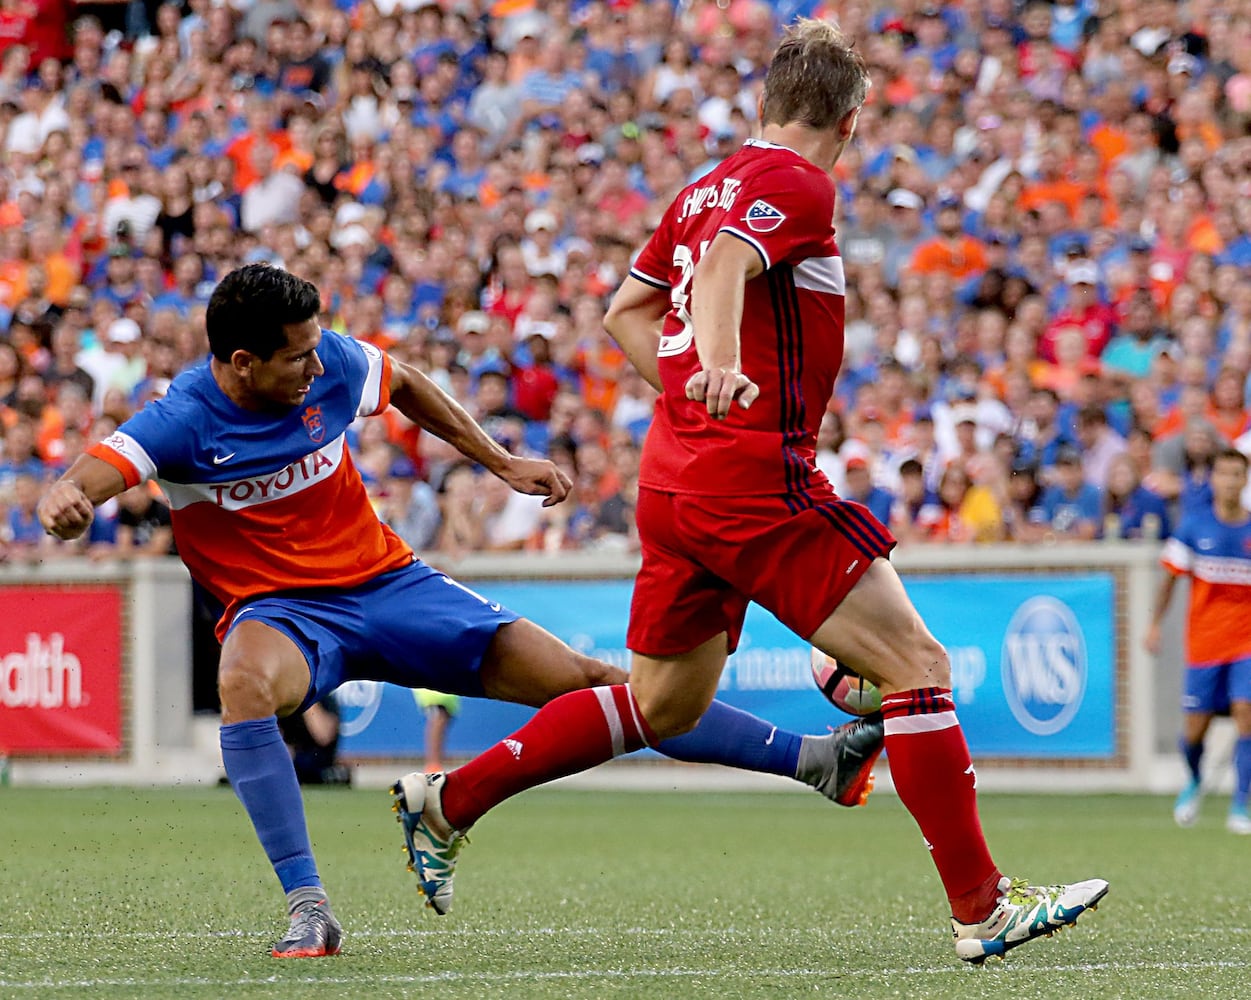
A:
[1211,689]
[414,627]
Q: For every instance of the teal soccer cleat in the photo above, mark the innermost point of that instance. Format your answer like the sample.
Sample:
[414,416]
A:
[431,845]
[1186,806]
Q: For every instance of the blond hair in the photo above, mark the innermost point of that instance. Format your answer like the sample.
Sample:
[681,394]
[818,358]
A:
[815,78]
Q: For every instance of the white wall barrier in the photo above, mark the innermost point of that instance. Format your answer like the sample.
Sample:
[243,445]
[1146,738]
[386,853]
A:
[1050,678]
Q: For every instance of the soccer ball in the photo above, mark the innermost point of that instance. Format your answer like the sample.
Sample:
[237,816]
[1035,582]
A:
[845,688]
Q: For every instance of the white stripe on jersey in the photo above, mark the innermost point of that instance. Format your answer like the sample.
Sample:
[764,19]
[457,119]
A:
[1177,554]
[239,494]
[1223,569]
[133,452]
[372,391]
[822,274]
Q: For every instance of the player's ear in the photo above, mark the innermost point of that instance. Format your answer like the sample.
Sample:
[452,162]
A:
[847,124]
[241,361]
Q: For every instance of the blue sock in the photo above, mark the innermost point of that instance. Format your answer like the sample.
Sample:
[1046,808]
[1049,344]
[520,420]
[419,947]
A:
[1242,771]
[729,736]
[260,769]
[1193,753]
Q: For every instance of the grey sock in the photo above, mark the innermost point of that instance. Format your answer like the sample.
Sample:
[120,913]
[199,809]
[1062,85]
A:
[306,895]
[814,755]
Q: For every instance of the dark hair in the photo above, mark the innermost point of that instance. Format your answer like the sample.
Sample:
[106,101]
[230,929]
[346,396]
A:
[1092,413]
[910,467]
[250,307]
[815,78]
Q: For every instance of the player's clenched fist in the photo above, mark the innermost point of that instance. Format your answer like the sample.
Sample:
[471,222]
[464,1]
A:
[65,510]
[719,387]
[538,477]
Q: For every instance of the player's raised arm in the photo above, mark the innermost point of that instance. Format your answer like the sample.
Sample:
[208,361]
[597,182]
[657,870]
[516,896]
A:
[69,505]
[424,403]
[634,322]
[717,313]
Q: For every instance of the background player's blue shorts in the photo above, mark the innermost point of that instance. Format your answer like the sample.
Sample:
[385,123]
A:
[414,627]
[1211,689]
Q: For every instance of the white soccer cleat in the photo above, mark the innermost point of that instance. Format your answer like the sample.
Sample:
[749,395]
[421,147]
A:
[1023,913]
[1238,821]
[430,842]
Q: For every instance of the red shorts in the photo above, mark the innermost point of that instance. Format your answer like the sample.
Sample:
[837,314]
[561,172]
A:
[705,558]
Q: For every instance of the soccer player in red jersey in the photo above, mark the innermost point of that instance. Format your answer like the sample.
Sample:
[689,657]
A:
[734,312]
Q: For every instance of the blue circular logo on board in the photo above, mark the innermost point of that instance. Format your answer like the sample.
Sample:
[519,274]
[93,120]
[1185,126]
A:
[1043,665]
[358,704]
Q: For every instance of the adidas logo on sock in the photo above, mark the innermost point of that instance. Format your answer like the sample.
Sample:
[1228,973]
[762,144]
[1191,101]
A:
[514,747]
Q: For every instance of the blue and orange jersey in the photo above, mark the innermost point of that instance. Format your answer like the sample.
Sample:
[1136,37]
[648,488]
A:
[1217,557]
[263,502]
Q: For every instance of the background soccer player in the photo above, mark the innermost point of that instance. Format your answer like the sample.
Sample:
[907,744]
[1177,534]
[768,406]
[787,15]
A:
[1212,546]
[272,518]
[734,312]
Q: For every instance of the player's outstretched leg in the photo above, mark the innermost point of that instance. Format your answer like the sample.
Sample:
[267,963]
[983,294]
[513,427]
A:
[838,765]
[1024,912]
[432,845]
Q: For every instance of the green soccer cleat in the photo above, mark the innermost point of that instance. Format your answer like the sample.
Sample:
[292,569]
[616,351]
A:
[840,765]
[314,933]
[431,844]
[1023,913]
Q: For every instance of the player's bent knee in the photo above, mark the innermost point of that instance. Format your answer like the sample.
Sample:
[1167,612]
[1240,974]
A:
[667,720]
[245,694]
[928,665]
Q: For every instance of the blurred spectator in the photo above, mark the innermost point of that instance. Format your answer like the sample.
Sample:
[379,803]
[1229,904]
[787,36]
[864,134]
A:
[861,489]
[1073,508]
[1130,510]
[143,524]
[1024,518]
[916,508]
[968,512]
[1099,443]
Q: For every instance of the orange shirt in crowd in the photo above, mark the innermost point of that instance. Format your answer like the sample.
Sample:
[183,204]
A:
[602,364]
[1109,141]
[240,151]
[962,257]
[1068,193]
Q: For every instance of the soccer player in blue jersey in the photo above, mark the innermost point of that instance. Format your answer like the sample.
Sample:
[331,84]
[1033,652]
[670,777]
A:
[270,515]
[1212,546]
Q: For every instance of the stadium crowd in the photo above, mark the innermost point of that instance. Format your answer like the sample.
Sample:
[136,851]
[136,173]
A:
[1045,221]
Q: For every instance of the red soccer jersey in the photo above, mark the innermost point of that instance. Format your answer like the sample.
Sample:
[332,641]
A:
[791,335]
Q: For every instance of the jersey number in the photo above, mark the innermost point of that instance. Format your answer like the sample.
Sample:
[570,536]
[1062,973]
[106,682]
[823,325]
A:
[676,343]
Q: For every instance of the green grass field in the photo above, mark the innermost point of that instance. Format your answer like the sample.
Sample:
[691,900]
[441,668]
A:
[165,894]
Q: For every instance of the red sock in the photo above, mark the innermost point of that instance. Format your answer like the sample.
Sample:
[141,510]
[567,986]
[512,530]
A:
[569,734]
[933,773]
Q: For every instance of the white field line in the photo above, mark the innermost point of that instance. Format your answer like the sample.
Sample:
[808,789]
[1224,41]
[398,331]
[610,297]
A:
[596,974]
[492,932]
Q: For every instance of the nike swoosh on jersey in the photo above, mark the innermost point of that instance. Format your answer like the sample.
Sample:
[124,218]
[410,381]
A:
[218,459]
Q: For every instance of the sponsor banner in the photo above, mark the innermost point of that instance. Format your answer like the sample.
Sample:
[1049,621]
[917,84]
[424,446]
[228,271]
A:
[1033,666]
[60,670]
